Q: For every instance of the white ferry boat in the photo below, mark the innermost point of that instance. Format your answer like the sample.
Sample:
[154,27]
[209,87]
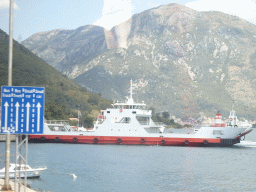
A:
[130,123]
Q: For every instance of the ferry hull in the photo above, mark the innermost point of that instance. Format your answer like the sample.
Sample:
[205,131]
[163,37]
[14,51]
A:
[164,141]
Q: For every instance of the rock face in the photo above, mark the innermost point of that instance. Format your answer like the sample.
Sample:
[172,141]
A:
[181,60]
[66,50]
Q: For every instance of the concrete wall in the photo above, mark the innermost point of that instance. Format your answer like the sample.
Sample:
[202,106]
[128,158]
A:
[3,138]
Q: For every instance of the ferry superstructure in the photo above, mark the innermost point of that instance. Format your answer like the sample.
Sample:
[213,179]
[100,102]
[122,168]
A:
[131,124]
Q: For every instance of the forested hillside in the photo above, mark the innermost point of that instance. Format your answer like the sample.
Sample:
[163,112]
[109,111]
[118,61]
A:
[63,96]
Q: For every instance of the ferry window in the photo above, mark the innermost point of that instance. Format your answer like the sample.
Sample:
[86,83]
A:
[134,112]
[108,111]
[217,132]
[125,120]
[143,120]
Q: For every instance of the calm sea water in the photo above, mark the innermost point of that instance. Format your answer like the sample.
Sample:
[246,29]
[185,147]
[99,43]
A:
[142,168]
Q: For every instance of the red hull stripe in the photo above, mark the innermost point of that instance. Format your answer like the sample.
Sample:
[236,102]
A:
[123,140]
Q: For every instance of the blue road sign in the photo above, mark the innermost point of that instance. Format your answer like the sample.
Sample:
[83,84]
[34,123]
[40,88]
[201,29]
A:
[22,110]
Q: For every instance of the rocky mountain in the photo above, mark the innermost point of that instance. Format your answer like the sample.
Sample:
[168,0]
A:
[67,49]
[181,60]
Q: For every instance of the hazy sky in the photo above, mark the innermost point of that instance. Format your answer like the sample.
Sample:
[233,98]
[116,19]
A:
[32,16]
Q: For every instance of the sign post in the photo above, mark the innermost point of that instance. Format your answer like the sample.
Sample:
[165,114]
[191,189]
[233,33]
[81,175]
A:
[22,114]
[8,142]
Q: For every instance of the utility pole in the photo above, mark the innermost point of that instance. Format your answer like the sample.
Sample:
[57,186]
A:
[6,185]
[78,118]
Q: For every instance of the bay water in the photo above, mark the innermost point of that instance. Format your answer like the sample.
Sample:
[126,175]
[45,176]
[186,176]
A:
[142,168]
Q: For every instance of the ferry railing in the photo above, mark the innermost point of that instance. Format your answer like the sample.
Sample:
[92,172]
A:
[159,123]
[144,112]
[144,122]
[152,123]
[59,123]
[64,122]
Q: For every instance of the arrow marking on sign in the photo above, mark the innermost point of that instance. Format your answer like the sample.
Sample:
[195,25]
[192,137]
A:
[38,116]
[27,125]
[6,111]
[17,105]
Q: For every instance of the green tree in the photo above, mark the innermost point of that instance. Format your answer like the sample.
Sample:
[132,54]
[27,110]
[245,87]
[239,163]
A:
[166,114]
[88,121]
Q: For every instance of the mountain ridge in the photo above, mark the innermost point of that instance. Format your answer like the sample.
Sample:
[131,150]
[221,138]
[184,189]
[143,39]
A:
[181,60]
